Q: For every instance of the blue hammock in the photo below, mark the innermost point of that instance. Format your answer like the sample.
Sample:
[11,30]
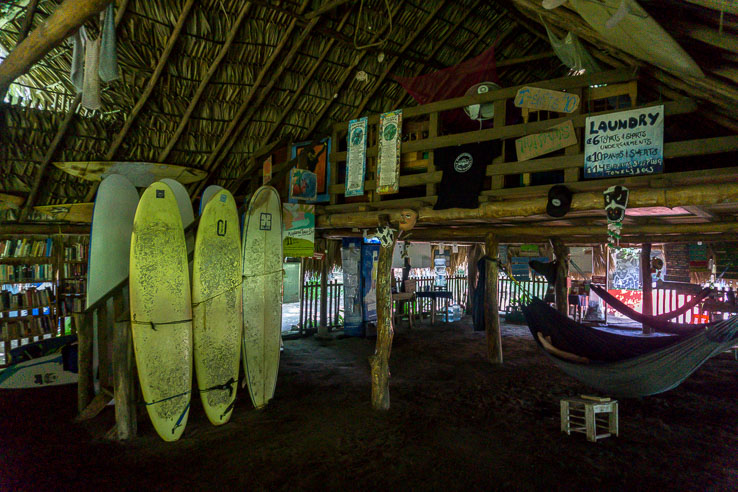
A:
[624,365]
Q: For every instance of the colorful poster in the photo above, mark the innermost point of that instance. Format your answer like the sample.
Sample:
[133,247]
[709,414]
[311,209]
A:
[539,99]
[555,138]
[267,170]
[356,157]
[314,156]
[388,166]
[352,305]
[298,234]
[625,143]
[303,185]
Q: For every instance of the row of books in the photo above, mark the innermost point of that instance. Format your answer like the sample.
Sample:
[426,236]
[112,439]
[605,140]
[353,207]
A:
[29,327]
[26,273]
[74,270]
[17,248]
[76,251]
[28,299]
[72,305]
[73,288]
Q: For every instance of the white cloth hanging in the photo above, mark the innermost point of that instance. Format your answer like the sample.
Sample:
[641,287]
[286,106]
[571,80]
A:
[91,85]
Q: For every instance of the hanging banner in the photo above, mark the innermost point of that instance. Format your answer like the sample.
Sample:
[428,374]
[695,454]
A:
[546,100]
[298,234]
[554,138]
[625,143]
[388,166]
[267,170]
[356,157]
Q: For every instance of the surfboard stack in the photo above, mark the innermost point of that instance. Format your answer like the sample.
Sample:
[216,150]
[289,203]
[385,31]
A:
[230,304]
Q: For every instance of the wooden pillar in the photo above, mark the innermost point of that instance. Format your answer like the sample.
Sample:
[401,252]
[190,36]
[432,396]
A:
[323,324]
[379,362]
[561,253]
[647,304]
[85,389]
[491,308]
[123,371]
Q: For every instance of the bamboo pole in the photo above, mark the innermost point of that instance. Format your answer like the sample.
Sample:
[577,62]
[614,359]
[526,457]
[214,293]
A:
[491,307]
[706,194]
[379,362]
[561,252]
[647,302]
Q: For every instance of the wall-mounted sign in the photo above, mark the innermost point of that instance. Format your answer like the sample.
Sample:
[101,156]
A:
[555,138]
[546,100]
[356,157]
[625,143]
[267,170]
[298,235]
[388,165]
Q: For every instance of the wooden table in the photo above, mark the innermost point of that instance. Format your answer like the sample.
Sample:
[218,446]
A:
[434,295]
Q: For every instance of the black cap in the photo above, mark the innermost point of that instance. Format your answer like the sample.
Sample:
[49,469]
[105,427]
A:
[559,201]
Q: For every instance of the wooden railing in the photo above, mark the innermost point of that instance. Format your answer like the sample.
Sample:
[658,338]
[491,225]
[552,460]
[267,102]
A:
[510,293]
[310,306]
[421,125]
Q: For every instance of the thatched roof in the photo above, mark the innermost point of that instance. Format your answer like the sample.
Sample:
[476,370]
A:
[291,73]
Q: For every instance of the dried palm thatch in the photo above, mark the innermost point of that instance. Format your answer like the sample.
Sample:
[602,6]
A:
[243,74]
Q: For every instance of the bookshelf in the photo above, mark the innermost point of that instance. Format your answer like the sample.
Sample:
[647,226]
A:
[37,274]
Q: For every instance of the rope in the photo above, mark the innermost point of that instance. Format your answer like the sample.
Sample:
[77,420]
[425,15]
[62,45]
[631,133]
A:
[168,398]
[235,286]
[523,290]
[281,270]
[227,385]
[154,325]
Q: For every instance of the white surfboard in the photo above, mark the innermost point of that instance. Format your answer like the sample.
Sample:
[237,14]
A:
[161,310]
[185,212]
[37,373]
[107,264]
[216,306]
[636,33]
[262,298]
[207,195]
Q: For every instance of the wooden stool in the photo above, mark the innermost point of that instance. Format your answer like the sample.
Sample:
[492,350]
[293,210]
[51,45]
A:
[581,415]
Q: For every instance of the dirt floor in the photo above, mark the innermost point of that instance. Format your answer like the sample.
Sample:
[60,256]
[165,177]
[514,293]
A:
[456,422]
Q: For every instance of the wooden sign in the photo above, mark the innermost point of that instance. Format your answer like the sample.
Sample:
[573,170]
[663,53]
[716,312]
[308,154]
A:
[546,100]
[267,170]
[555,138]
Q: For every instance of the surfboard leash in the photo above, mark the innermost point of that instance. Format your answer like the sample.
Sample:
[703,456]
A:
[168,398]
[154,325]
[227,385]
[229,289]
[281,270]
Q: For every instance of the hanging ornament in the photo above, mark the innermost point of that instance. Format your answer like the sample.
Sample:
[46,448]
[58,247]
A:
[616,202]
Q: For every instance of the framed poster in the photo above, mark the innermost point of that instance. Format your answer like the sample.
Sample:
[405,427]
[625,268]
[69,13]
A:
[625,143]
[315,155]
[356,157]
[267,171]
[388,164]
[298,234]
[303,185]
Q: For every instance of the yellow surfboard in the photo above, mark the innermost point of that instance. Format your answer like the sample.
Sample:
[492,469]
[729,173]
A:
[216,306]
[161,310]
[262,294]
[141,174]
[10,201]
[71,212]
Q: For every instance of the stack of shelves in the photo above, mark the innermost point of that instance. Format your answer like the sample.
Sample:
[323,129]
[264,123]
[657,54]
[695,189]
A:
[73,281]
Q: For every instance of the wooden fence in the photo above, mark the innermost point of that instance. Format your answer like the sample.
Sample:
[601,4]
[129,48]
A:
[509,293]
[310,306]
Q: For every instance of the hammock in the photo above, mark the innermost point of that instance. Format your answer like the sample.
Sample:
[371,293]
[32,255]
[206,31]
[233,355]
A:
[625,365]
[659,323]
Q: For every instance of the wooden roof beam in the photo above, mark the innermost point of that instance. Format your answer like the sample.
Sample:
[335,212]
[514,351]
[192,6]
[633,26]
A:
[298,92]
[213,160]
[326,7]
[59,136]
[409,41]
[65,20]
[349,70]
[204,82]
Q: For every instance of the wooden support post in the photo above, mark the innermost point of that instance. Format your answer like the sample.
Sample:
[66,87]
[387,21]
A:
[647,303]
[85,389]
[491,308]
[123,371]
[379,362]
[561,252]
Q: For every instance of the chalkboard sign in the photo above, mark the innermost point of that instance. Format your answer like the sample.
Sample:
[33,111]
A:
[625,143]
